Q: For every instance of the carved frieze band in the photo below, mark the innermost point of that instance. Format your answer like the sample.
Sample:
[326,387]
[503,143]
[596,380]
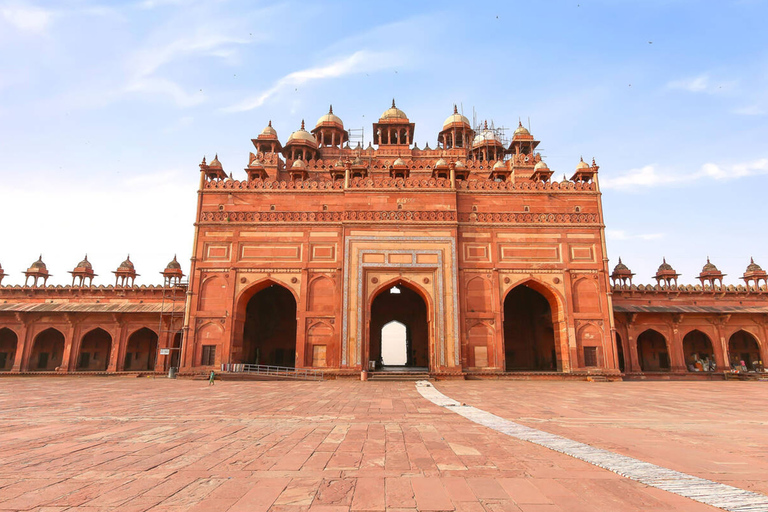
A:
[401,216]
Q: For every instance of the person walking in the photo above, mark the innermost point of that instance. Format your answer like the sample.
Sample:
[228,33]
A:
[211,378]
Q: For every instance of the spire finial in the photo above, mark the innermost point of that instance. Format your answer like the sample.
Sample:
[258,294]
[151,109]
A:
[581,158]
[519,123]
[203,160]
[270,123]
[393,103]
[455,109]
[86,257]
[40,258]
[663,259]
[707,258]
[593,161]
[216,157]
[302,124]
[752,259]
[619,260]
[330,110]
[485,124]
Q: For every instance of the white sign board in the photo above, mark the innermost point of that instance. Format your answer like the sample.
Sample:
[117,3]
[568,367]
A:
[165,351]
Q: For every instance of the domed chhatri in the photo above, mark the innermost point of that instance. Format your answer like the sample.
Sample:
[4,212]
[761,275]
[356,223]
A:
[755,274]
[172,274]
[83,271]
[269,131]
[541,172]
[329,130]
[622,276]
[521,130]
[666,274]
[393,128]
[456,132]
[37,271]
[267,141]
[710,275]
[125,273]
[301,145]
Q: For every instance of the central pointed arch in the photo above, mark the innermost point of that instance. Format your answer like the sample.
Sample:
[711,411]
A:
[399,302]
[531,336]
[141,351]
[652,351]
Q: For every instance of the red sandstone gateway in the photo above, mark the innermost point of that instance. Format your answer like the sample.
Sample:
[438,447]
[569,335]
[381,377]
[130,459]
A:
[488,265]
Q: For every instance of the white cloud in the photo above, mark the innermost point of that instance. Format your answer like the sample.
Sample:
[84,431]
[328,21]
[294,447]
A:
[649,176]
[27,18]
[144,65]
[359,62]
[701,83]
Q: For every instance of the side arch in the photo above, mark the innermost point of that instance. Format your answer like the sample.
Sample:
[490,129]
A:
[653,351]
[47,350]
[698,351]
[9,344]
[140,350]
[95,349]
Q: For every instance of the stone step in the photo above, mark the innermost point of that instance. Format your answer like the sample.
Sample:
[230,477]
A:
[398,376]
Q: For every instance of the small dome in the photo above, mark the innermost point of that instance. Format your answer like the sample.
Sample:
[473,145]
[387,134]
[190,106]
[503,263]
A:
[521,130]
[485,136]
[665,267]
[127,264]
[399,163]
[173,264]
[459,165]
[540,166]
[269,130]
[38,265]
[215,162]
[339,164]
[85,263]
[621,269]
[709,267]
[455,118]
[302,134]
[499,165]
[441,163]
[753,267]
[329,118]
[582,165]
[298,164]
[256,163]
[394,113]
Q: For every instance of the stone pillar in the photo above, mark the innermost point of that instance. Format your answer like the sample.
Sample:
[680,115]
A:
[116,355]
[21,348]
[676,352]
[633,362]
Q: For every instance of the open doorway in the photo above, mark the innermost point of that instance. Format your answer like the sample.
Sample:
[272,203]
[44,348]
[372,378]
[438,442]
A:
[399,331]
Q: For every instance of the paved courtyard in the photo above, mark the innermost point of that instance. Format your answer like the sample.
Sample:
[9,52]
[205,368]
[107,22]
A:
[158,444]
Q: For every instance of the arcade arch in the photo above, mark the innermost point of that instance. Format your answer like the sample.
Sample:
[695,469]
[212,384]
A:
[8,344]
[47,351]
[529,331]
[269,330]
[94,351]
[141,350]
[652,351]
[743,347]
[399,307]
[697,348]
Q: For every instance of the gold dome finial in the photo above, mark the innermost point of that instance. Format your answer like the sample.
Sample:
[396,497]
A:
[330,109]
[393,103]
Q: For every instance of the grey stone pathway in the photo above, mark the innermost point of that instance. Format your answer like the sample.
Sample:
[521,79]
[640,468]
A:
[704,491]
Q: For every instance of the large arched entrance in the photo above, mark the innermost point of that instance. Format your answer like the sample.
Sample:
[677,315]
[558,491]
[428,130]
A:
[529,334]
[652,351]
[269,332]
[743,351]
[399,330]
[699,356]
[8,344]
[47,351]
[141,351]
[94,351]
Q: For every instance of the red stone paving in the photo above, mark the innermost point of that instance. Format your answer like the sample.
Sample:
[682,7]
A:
[714,430]
[96,444]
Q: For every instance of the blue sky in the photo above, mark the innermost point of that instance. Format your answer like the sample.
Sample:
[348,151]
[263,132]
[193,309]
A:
[106,109]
